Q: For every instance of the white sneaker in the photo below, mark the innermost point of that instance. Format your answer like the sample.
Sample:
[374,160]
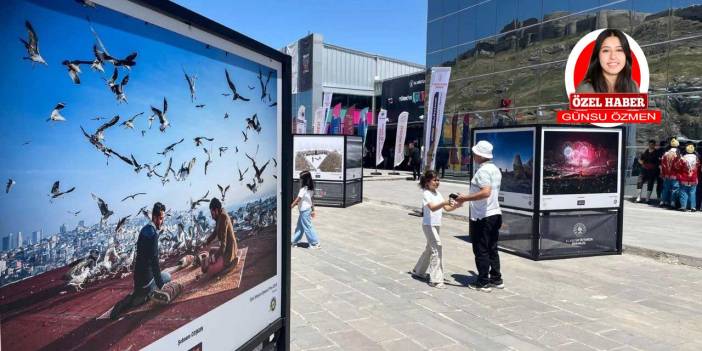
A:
[316,247]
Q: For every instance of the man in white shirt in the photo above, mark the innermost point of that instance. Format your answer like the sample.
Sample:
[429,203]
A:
[485,218]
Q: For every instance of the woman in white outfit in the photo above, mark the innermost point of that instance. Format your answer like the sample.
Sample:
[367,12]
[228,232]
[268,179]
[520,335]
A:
[430,264]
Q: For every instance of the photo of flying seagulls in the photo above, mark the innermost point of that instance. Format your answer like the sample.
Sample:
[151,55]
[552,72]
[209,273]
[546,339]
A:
[94,83]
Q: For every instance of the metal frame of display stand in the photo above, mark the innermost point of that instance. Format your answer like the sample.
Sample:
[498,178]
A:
[536,213]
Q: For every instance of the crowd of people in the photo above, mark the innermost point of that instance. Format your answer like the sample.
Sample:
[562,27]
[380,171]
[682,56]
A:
[676,171]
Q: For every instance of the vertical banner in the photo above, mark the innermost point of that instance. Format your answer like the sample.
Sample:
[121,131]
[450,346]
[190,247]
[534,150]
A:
[435,113]
[326,99]
[301,123]
[380,138]
[292,51]
[363,124]
[400,138]
[305,63]
[319,125]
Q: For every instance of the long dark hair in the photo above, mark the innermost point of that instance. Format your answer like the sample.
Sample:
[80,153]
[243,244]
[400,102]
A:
[594,75]
[425,178]
[306,180]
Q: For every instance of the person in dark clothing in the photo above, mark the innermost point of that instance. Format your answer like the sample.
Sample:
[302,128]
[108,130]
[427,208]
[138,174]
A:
[442,157]
[649,172]
[662,146]
[415,160]
[148,277]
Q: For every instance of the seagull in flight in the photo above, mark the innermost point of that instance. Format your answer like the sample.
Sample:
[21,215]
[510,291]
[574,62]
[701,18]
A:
[56,192]
[122,221]
[145,212]
[195,204]
[191,84]
[275,163]
[198,140]
[104,209]
[56,115]
[151,170]
[170,148]
[161,114]
[246,136]
[223,191]
[252,186]
[133,196]
[253,123]
[129,124]
[241,174]
[10,183]
[226,115]
[257,170]
[74,69]
[186,169]
[232,87]
[74,213]
[264,86]
[118,88]
[209,160]
[26,142]
[137,166]
[200,106]
[32,45]
[222,149]
[97,138]
[100,57]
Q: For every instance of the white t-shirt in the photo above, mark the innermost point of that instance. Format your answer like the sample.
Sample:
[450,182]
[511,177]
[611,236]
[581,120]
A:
[305,198]
[429,217]
[487,175]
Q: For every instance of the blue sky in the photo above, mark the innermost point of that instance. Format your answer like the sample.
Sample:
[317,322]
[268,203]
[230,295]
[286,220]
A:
[59,151]
[506,145]
[393,28]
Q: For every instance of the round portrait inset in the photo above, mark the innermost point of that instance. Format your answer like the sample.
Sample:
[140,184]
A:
[606,61]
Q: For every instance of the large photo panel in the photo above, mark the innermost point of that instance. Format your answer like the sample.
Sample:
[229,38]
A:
[322,156]
[513,154]
[580,168]
[108,108]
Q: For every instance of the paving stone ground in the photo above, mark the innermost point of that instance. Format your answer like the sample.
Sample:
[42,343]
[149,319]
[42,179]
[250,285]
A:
[355,293]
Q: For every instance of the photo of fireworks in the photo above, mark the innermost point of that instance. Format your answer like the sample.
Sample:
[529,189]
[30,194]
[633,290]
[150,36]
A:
[105,116]
[580,162]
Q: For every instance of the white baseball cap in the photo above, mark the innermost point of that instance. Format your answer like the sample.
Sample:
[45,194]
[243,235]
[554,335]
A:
[483,148]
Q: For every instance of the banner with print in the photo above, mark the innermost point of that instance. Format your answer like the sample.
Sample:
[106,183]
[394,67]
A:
[400,138]
[435,113]
[380,140]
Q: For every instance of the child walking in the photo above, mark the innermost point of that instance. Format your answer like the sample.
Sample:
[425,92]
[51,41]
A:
[306,207]
[430,263]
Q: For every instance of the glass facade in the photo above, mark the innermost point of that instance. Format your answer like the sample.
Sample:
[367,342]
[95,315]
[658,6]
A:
[508,59]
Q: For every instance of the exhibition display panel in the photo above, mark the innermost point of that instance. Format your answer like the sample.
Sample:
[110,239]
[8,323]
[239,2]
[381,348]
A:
[561,190]
[335,163]
[117,108]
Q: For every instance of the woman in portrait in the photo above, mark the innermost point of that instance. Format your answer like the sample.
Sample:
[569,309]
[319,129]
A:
[610,65]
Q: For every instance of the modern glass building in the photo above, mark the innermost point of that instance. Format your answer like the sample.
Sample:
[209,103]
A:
[508,59]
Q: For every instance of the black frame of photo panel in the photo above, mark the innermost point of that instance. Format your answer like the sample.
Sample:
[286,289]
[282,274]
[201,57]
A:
[344,201]
[277,333]
[535,250]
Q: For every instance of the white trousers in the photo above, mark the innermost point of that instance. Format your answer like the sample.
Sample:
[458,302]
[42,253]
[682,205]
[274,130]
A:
[431,261]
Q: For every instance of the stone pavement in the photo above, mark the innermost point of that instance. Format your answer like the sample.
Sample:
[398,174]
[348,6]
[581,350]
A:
[671,236]
[355,293]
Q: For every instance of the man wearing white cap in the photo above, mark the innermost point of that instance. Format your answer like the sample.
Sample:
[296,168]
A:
[485,218]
